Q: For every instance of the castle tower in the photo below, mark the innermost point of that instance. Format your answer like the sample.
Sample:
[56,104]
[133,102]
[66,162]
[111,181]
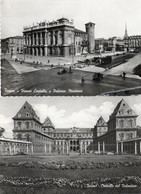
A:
[123,121]
[25,121]
[100,127]
[90,30]
[48,127]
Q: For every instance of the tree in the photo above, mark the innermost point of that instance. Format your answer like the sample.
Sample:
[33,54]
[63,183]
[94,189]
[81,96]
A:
[2,130]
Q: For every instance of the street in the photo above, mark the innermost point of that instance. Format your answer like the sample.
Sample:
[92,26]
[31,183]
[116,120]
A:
[44,82]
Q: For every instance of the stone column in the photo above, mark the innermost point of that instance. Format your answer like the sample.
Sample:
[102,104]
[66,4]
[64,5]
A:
[67,147]
[117,147]
[45,50]
[53,37]
[36,38]
[36,51]
[10,148]
[33,41]
[80,143]
[32,149]
[49,147]
[103,146]
[63,147]
[45,148]
[30,40]
[121,147]
[41,38]
[98,147]
[14,148]
[65,38]
[135,147]
[33,53]
[140,147]
[41,52]
[85,147]
[46,38]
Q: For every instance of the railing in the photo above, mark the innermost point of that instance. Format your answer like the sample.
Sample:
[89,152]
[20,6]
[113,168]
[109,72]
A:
[48,25]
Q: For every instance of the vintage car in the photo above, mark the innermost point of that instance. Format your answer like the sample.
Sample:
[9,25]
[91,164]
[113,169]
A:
[97,76]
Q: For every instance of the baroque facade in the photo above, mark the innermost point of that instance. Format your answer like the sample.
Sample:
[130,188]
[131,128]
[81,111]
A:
[30,136]
[58,38]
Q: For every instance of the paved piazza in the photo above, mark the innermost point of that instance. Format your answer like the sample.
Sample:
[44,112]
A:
[27,79]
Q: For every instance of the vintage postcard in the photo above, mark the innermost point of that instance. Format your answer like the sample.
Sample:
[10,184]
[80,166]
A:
[71,48]
[70,145]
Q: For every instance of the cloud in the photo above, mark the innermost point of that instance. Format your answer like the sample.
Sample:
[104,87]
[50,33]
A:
[6,123]
[84,117]
[137,110]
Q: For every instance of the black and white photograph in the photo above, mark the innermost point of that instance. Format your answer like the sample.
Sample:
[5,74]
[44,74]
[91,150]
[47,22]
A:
[71,47]
[70,102]
[52,145]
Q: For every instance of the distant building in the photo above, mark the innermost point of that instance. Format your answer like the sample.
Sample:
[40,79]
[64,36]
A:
[58,38]
[115,44]
[12,45]
[133,43]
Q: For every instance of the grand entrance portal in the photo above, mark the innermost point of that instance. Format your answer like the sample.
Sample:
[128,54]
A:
[74,145]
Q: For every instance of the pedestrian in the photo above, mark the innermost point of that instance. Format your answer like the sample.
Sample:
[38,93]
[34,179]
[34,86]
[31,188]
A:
[82,80]
[124,74]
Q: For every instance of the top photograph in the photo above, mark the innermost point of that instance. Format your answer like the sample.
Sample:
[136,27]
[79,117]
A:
[70,48]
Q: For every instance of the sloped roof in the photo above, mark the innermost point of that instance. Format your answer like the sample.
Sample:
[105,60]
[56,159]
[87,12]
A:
[26,112]
[48,123]
[101,122]
[123,109]
[79,31]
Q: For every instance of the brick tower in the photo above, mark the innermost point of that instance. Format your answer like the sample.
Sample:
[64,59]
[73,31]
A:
[90,30]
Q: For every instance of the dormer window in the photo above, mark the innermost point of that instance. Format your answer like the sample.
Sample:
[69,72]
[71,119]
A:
[129,111]
[19,114]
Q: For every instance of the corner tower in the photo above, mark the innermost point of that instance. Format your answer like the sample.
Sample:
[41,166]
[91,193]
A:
[90,30]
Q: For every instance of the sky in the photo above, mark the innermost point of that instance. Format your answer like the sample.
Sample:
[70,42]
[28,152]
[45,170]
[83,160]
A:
[65,112]
[109,16]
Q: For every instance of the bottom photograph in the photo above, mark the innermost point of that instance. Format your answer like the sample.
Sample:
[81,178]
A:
[59,145]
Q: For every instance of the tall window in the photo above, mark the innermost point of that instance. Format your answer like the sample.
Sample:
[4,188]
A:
[27,125]
[19,125]
[121,136]
[130,123]
[121,123]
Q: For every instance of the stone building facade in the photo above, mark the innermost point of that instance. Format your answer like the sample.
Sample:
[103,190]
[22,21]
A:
[133,43]
[121,127]
[30,136]
[57,38]
[47,139]
[12,45]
